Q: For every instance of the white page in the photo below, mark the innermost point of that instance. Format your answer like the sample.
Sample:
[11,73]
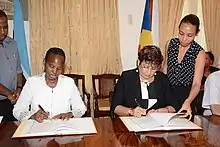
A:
[178,124]
[138,124]
[150,124]
[144,122]
[1,117]
[162,118]
[56,127]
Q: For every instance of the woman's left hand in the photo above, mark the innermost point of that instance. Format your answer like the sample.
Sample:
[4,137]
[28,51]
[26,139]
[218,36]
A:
[64,116]
[186,107]
[151,111]
[162,110]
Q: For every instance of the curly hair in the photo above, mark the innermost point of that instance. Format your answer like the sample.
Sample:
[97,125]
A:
[151,54]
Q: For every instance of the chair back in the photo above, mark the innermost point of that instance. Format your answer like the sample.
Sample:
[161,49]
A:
[103,87]
[80,83]
[104,83]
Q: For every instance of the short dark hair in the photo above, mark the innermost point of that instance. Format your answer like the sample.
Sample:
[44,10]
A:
[192,19]
[55,51]
[211,56]
[152,54]
[3,14]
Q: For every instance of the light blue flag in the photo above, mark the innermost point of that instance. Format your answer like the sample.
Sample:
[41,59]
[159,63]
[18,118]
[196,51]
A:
[19,36]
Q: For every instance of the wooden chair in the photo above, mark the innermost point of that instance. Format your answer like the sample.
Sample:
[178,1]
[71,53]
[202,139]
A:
[80,83]
[103,87]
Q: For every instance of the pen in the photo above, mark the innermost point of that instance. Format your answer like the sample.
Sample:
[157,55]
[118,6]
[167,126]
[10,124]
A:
[137,103]
[140,105]
[41,108]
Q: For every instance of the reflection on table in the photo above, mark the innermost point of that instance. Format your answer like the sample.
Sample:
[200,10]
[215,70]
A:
[113,133]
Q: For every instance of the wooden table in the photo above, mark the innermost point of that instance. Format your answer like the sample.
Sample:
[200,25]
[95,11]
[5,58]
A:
[113,133]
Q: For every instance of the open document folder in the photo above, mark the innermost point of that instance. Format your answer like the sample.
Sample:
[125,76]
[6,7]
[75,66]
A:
[73,126]
[157,122]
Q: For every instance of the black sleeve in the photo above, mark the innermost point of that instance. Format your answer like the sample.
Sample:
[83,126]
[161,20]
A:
[117,98]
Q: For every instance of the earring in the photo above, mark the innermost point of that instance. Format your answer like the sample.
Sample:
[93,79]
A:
[155,73]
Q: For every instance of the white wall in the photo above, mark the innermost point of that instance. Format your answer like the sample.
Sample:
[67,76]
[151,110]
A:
[27,34]
[195,7]
[155,23]
[130,21]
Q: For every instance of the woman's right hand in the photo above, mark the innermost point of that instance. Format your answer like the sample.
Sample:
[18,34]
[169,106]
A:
[40,115]
[138,112]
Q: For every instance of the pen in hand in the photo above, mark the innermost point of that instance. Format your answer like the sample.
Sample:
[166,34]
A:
[41,108]
[40,115]
[138,105]
[44,112]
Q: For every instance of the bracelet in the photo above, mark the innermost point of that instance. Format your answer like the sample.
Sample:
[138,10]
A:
[19,87]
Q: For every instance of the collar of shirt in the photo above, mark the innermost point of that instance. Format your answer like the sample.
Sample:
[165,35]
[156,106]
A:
[6,41]
[144,90]
[58,82]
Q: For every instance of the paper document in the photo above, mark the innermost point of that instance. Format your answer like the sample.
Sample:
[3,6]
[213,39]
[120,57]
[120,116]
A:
[158,121]
[1,117]
[29,128]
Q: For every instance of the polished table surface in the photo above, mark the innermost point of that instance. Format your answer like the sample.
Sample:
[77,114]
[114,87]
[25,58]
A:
[113,133]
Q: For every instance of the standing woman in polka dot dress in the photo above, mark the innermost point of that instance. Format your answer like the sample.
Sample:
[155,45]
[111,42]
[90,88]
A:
[185,64]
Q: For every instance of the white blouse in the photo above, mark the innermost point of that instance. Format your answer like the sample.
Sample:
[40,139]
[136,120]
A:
[65,97]
[145,94]
[211,92]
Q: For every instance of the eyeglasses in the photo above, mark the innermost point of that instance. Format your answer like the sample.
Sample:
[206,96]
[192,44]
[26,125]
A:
[148,66]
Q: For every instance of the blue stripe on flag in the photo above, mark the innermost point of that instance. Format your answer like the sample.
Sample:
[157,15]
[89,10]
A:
[146,36]
[146,24]
[19,36]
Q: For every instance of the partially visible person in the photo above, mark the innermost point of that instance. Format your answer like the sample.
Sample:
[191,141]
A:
[10,72]
[50,95]
[209,59]
[185,64]
[211,98]
[144,89]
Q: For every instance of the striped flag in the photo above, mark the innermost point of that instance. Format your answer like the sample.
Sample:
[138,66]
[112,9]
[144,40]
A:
[146,36]
[19,36]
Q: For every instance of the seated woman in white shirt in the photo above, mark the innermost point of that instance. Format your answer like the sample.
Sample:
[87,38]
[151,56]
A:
[211,98]
[51,94]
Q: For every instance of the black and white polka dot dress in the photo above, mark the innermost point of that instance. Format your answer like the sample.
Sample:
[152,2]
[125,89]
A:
[181,74]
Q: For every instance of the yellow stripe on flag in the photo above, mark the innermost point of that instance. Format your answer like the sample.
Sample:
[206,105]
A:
[145,38]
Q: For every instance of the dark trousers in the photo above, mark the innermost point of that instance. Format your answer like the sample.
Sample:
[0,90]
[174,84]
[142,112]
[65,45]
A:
[6,110]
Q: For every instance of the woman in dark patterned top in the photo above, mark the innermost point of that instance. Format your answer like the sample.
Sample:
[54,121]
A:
[185,64]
